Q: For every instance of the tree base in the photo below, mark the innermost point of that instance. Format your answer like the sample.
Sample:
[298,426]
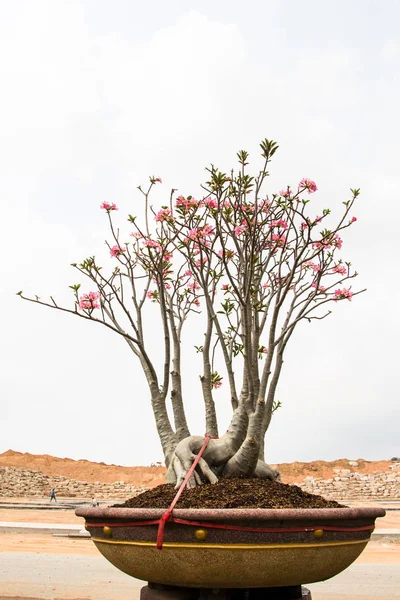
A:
[155,591]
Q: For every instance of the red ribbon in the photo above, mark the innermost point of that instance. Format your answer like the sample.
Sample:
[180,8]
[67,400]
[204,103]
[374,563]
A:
[167,516]
[235,527]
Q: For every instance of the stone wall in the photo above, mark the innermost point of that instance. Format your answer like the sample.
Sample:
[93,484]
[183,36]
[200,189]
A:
[345,485]
[16,483]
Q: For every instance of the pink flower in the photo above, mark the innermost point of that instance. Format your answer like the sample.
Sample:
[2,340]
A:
[342,294]
[279,239]
[89,301]
[193,286]
[225,287]
[239,229]
[340,269]
[117,250]
[186,203]
[108,207]
[279,223]
[338,242]
[321,288]
[136,235]
[217,384]
[152,295]
[229,254]
[196,302]
[165,214]
[353,219]
[200,262]
[309,184]
[155,179]
[152,244]
[286,193]
[188,273]
[311,265]
[201,233]
[211,203]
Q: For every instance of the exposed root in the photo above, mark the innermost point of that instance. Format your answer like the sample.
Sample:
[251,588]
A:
[219,457]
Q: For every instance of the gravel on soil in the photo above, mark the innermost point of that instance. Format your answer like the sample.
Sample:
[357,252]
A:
[231,493]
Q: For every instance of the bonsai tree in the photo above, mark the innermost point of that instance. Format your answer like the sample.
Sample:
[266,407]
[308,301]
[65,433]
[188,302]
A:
[253,268]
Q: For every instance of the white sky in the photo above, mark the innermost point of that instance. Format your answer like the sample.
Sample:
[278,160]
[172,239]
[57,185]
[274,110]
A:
[97,95]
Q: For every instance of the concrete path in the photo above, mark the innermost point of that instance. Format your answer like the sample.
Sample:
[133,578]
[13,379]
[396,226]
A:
[65,577]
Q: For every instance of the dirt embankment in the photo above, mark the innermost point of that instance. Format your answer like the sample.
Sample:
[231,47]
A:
[84,470]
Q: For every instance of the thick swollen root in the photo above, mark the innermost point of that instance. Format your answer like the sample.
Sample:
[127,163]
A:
[219,457]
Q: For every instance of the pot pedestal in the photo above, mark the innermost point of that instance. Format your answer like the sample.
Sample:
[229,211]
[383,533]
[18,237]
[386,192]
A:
[154,591]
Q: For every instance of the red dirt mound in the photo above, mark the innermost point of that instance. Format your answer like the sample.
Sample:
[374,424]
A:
[84,470]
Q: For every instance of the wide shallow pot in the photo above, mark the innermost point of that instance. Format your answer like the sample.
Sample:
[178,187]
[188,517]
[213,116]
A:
[232,548]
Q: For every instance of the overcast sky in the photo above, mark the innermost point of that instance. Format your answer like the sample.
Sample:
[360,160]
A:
[97,95]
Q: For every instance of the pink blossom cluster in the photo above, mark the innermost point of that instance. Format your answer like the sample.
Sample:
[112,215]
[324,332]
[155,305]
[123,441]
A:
[239,229]
[286,193]
[117,251]
[321,288]
[152,244]
[210,202]
[229,254]
[328,243]
[217,384]
[341,294]
[89,301]
[108,207]
[152,295]
[279,239]
[279,223]
[165,214]
[201,261]
[201,233]
[193,286]
[309,184]
[353,219]
[341,269]
[186,203]
[311,265]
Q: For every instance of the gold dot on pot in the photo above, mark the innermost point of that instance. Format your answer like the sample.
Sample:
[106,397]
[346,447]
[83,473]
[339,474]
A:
[86,527]
[107,531]
[318,533]
[200,535]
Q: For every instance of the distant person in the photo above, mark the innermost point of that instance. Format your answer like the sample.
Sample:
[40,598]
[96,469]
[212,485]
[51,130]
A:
[53,495]
[94,502]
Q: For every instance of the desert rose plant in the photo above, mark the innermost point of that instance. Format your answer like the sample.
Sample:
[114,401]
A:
[252,267]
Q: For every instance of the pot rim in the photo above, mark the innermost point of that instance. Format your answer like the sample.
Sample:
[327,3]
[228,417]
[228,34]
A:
[233,514]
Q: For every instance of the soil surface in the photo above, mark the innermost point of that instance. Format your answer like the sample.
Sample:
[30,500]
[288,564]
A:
[85,470]
[232,493]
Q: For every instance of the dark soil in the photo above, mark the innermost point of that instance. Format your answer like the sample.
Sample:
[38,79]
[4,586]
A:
[231,493]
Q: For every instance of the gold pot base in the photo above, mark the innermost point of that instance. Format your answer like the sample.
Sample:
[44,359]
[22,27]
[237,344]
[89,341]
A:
[230,565]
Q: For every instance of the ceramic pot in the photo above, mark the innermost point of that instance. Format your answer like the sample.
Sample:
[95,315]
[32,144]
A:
[232,548]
